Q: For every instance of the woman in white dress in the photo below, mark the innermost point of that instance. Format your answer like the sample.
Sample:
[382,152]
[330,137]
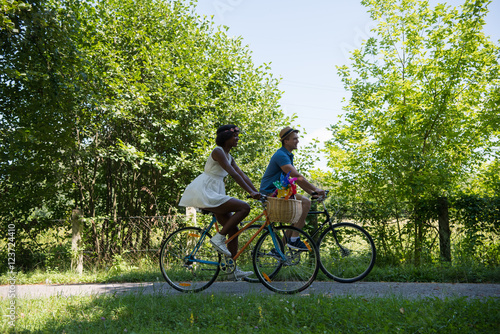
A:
[208,192]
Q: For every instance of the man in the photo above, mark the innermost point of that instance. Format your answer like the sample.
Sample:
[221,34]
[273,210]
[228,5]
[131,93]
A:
[282,163]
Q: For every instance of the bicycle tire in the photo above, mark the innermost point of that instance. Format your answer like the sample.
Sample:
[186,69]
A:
[289,276]
[187,274]
[245,261]
[347,252]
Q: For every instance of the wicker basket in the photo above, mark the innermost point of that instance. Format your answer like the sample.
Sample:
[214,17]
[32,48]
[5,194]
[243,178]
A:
[286,211]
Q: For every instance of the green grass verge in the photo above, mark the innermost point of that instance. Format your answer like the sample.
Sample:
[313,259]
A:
[70,277]
[445,273]
[253,313]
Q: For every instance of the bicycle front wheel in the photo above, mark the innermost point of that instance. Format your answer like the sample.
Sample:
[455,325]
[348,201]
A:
[291,274]
[187,263]
[347,252]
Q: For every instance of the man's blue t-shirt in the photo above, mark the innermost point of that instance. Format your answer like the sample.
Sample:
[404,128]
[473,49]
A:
[273,172]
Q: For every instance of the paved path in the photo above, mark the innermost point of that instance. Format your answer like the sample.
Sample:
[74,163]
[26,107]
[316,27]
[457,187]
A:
[364,289]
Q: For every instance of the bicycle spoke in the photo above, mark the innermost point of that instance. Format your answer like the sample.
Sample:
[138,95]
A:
[291,274]
[183,270]
[244,261]
[347,252]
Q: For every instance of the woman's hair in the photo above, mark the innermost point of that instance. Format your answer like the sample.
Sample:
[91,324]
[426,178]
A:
[225,132]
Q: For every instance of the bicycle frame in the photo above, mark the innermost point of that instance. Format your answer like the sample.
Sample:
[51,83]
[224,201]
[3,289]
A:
[327,221]
[191,257]
[213,222]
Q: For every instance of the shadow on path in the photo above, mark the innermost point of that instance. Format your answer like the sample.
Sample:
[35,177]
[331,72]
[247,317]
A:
[363,289]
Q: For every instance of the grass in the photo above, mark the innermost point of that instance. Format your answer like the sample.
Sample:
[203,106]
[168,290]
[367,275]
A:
[251,314]
[465,273]
[70,277]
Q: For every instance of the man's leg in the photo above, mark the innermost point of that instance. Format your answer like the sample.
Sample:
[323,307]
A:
[306,205]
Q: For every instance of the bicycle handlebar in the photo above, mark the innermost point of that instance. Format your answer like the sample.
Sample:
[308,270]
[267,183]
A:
[319,199]
[262,198]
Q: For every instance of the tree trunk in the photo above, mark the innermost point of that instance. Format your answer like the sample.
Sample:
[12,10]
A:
[444,229]
[418,242]
[419,221]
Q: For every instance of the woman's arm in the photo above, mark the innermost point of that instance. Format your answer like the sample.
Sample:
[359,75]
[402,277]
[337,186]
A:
[220,156]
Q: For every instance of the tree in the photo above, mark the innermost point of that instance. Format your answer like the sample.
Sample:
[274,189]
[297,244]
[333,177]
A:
[38,61]
[162,83]
[424,109]
[37,94]
[111,107]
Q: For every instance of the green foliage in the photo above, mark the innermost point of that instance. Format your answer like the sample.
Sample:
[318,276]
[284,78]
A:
[166,80]
[7,9]
[480,217]
[111,107]
[37,61]
[126,116]
[120,266]
[424,109]
[465,272]
[484,181]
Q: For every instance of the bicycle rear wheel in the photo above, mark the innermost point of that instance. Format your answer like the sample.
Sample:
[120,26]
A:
[184,266]
[347,252]
[292,274]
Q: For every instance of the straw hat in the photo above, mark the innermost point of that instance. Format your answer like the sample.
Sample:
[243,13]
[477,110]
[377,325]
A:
[285,132]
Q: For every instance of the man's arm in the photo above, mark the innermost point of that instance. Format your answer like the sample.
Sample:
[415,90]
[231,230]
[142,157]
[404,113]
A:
[301,180]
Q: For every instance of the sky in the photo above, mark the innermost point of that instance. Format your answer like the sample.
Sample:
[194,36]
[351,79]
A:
[304,41]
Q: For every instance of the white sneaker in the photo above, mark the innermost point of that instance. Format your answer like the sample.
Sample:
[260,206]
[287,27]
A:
[238,274]
[219,242]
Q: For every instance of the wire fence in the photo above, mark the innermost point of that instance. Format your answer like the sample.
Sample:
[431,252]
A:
[126,240]
[97,243]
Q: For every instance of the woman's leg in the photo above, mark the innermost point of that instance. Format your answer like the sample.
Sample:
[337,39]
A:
[229,215]
[222,218]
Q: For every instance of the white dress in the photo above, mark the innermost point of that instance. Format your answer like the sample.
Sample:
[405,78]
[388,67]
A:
[207,190]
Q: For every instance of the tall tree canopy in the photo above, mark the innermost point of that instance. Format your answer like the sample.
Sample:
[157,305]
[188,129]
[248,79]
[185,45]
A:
[424,109]
[112,106]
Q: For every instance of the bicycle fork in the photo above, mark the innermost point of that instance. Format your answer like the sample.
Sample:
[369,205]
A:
[276,243]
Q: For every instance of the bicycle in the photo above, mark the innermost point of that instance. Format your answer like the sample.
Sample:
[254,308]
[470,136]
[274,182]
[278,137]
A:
[189,263]
[347,252]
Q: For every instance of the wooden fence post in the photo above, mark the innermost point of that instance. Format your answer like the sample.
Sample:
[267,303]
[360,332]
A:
[191,215]
[76,241]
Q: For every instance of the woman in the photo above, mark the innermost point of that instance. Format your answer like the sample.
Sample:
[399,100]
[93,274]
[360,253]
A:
[208,192]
